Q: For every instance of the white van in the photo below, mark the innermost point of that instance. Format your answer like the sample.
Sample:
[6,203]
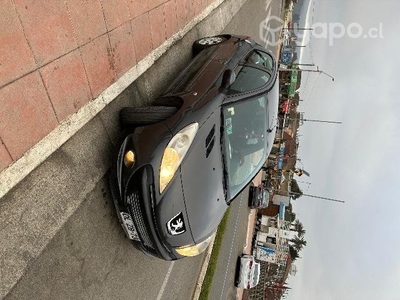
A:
[249,272]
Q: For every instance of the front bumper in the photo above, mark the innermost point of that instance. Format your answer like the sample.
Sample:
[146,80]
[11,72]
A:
[139,204]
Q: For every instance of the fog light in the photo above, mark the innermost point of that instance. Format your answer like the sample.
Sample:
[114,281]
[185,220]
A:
[129,159]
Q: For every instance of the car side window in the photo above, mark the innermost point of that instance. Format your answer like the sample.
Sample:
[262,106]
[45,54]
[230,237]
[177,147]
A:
[261,59]
[248,79]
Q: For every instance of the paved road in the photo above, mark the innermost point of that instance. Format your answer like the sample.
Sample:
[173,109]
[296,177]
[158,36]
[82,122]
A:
[259,19]
[234,239]
[90,258]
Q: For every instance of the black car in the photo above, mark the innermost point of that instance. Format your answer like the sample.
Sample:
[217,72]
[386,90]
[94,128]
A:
[185,158]
[258,197]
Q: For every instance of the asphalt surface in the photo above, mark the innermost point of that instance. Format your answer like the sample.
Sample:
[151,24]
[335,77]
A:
[89,257]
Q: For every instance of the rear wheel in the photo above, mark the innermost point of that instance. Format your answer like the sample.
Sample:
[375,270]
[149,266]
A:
[207,42]
[140,116]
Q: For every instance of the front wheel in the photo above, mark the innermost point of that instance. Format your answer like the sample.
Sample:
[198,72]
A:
[207,42]
[140,116]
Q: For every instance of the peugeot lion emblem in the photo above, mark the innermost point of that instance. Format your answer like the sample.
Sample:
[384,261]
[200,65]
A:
[176,226]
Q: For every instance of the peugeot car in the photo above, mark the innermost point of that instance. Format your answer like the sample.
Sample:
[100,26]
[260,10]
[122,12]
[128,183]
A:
[184,159]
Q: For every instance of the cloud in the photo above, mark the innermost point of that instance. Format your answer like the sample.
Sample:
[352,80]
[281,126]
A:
[352,249]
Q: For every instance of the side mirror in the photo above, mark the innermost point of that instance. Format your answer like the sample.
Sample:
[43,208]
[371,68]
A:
[228,78]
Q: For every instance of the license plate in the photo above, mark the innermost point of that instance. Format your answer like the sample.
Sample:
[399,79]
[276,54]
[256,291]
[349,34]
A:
[130,228]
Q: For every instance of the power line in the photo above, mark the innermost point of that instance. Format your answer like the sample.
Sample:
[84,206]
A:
[310,93]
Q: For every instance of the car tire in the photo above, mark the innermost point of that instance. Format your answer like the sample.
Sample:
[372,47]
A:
[207,42]
[140,116]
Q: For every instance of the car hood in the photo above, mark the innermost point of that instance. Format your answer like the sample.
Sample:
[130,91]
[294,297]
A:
[202,179]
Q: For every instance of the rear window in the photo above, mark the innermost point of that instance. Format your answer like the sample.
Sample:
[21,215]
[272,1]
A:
[248,79]
[260,58]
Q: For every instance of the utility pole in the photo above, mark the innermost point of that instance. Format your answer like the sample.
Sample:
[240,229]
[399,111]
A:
[318,197]
[306,65]
[313,196]
[311,71]
[311,120]
[322,121]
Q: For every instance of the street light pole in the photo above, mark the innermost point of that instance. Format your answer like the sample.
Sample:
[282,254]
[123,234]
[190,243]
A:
[322,72]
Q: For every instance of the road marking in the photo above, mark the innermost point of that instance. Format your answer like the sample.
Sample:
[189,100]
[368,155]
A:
[162,289]
[233,240]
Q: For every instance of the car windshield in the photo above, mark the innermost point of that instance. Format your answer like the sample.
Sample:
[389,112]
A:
[244,141]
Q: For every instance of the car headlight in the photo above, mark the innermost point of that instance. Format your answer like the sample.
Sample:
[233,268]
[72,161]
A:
[194,250]
[175,152]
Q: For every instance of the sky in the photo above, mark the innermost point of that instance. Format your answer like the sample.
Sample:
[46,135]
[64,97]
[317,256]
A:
[353,248]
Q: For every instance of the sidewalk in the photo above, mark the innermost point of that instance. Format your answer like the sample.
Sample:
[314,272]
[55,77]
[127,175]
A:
[58,56]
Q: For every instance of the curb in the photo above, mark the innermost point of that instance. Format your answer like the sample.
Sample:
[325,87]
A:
[203,270]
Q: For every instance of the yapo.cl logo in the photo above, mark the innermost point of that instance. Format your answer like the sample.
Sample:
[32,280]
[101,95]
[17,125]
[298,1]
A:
[269,30]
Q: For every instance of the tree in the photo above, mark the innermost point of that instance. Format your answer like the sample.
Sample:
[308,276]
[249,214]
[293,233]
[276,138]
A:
[301,232]
[298,227]
[294,254]
[298,242]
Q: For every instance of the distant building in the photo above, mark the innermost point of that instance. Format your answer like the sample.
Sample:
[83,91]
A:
[272,238]
[290,82]
[272,249]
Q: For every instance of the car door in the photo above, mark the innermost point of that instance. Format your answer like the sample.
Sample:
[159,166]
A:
[245,117]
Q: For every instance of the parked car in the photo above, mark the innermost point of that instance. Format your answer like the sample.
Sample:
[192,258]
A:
[287,55]
[258,197]
[184,159]
[248,274]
